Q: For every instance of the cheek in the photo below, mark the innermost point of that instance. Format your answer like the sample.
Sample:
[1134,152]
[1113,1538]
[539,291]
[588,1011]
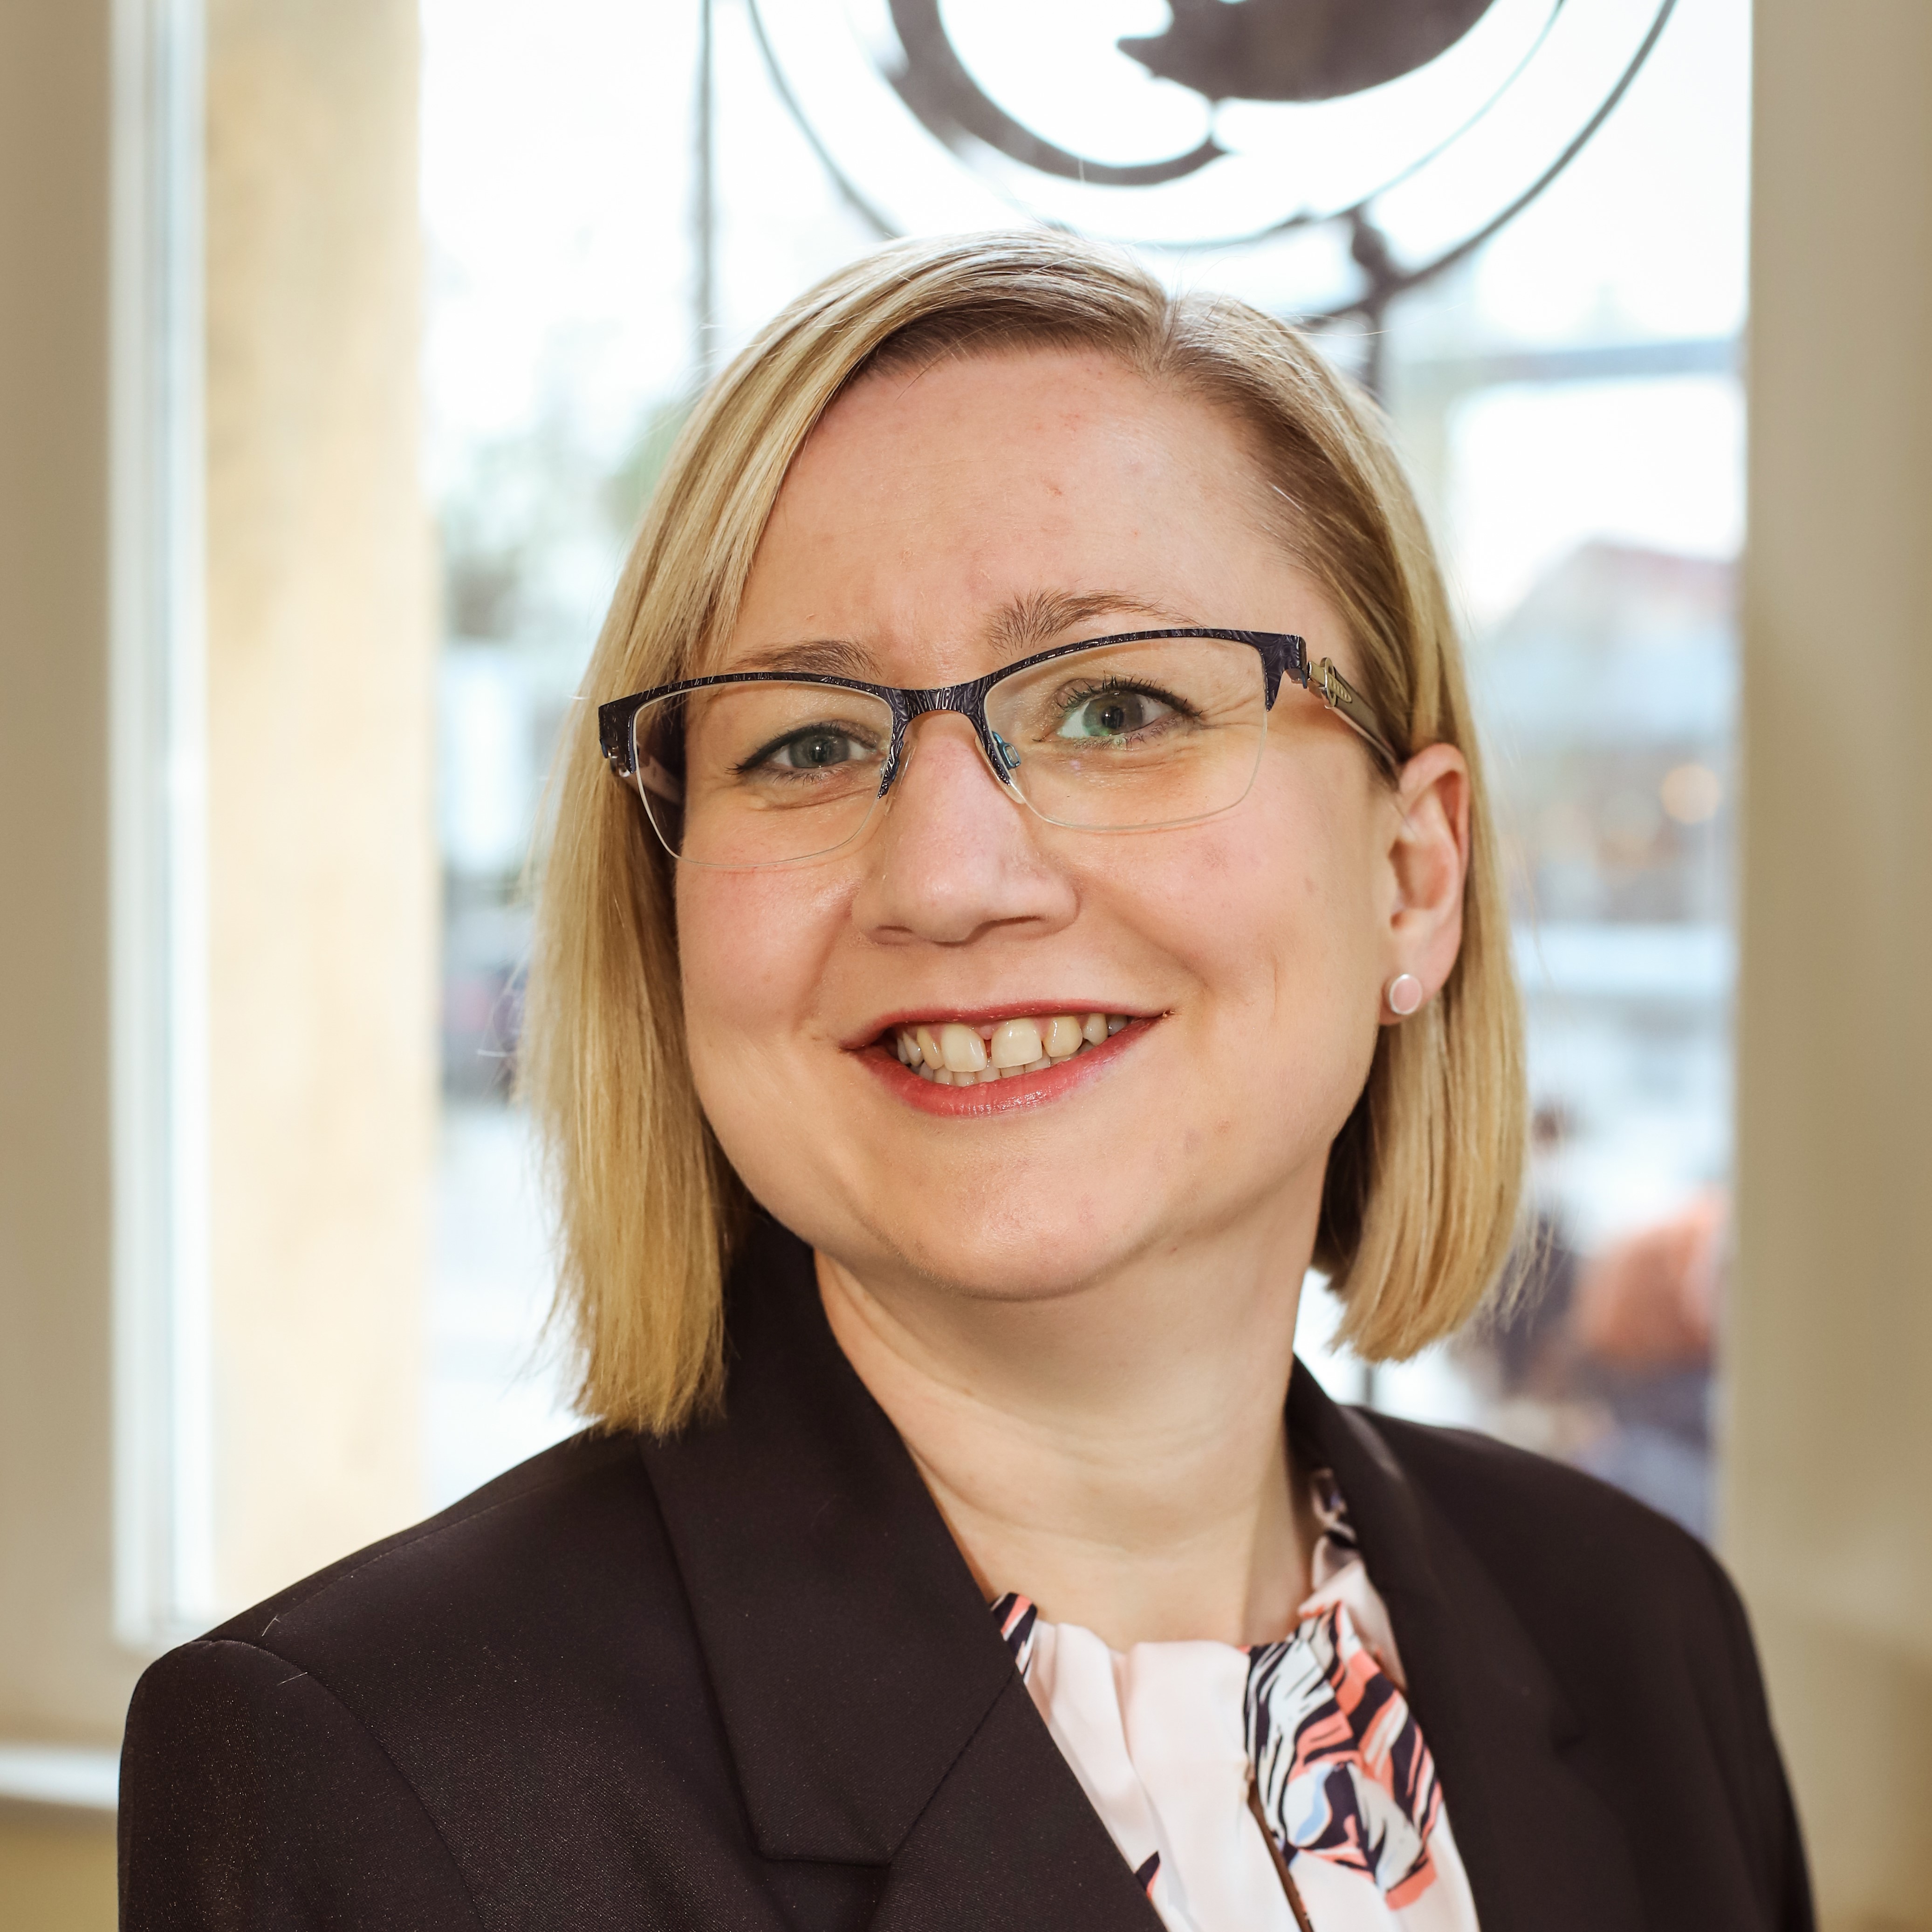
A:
[1273,916]
[1273,910]
[751,947]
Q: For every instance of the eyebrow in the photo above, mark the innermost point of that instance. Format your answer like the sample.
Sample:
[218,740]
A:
[1020,626]
[823,657]
[1031,623]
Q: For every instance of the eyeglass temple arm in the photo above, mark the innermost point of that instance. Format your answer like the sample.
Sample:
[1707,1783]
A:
[614,734]
[1327,683]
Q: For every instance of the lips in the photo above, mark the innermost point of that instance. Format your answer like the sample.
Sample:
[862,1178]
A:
[895,1058]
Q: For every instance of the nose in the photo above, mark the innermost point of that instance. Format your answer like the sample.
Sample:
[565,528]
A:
[958,854]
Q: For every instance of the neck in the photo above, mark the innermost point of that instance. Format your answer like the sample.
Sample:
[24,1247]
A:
[1118,1452]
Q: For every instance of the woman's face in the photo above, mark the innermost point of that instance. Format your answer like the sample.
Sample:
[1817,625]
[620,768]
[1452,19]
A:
[940,525]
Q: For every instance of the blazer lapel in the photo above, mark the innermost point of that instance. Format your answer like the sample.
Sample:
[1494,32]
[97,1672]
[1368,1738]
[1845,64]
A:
[871,1708]
[875,1716]
[1540,1848]
[1010,1840]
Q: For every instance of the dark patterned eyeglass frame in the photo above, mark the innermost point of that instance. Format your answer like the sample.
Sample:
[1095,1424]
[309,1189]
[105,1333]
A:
[1283,656]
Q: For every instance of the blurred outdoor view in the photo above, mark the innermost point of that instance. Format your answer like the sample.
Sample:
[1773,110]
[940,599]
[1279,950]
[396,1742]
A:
[1568,399]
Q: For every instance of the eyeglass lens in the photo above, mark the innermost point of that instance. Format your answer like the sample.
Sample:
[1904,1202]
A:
[1125,736]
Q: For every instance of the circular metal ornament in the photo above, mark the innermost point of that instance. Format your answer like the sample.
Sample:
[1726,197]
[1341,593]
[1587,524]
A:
[1361,145]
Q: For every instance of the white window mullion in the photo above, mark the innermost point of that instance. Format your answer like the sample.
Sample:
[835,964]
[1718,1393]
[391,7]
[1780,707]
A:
[163,1501]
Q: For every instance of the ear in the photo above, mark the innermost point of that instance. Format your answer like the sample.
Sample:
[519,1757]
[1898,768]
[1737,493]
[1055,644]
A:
[1429,862]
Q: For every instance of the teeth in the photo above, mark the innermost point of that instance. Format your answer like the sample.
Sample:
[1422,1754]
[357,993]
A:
[962,1049]
[955,1055]
[1015,1042]
[1063,1040]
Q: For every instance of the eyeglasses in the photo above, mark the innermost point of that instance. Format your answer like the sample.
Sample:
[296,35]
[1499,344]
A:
[1124,734]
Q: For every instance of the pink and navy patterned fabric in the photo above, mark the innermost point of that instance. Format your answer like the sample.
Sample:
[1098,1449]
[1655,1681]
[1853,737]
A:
[1340,1772]
[1339,1764]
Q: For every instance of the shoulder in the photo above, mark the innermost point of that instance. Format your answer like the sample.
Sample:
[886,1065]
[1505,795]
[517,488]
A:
[540,1548]
[1541,1516]
[533,1640]
[564,1555]
[586,1499]
[1643,1633]
[1569,1552]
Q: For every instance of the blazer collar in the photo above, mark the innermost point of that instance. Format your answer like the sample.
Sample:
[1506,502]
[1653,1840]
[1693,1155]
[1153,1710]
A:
[1541,1849]
[870,1704]
[847,1644]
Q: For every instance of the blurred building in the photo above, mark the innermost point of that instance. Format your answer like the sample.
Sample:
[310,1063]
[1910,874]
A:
[1610,693]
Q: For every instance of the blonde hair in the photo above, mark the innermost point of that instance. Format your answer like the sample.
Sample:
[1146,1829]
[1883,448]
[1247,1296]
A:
[1420,1203]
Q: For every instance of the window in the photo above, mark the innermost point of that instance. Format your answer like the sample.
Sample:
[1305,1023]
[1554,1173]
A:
[1572,403]
[164,1540]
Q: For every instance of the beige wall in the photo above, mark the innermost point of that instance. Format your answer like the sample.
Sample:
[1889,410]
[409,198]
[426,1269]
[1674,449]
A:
[322,862]
[320,670]
[56,1871]
[1828,1515]
[61,1675]
[321,663]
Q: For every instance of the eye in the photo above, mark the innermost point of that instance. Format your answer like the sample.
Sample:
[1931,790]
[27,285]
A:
[1117,712]
[821,749]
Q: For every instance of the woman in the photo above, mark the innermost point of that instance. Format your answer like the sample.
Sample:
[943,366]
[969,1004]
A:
[1050,902]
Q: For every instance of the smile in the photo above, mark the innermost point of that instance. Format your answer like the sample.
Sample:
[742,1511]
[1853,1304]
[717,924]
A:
[952,1054]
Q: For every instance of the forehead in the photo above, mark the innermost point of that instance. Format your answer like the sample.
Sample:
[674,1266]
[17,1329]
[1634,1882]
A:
[943,520]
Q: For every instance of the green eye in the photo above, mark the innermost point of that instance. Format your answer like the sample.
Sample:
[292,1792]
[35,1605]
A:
[816,751]
[1113,714]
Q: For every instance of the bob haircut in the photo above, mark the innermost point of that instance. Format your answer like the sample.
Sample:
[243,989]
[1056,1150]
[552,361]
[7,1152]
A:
[1420,1199]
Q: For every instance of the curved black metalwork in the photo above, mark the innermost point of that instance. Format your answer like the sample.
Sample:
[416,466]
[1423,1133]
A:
[932,81]
[1336,41]
[1300,49]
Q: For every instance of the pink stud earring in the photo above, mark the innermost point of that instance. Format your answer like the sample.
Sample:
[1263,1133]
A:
[1404,995]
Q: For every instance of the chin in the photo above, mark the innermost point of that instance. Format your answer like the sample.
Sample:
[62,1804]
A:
[1022,1256]
[1017,1261]
[993,1277]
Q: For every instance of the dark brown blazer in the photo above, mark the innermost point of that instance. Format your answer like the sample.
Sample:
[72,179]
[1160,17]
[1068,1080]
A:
[743,1681]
